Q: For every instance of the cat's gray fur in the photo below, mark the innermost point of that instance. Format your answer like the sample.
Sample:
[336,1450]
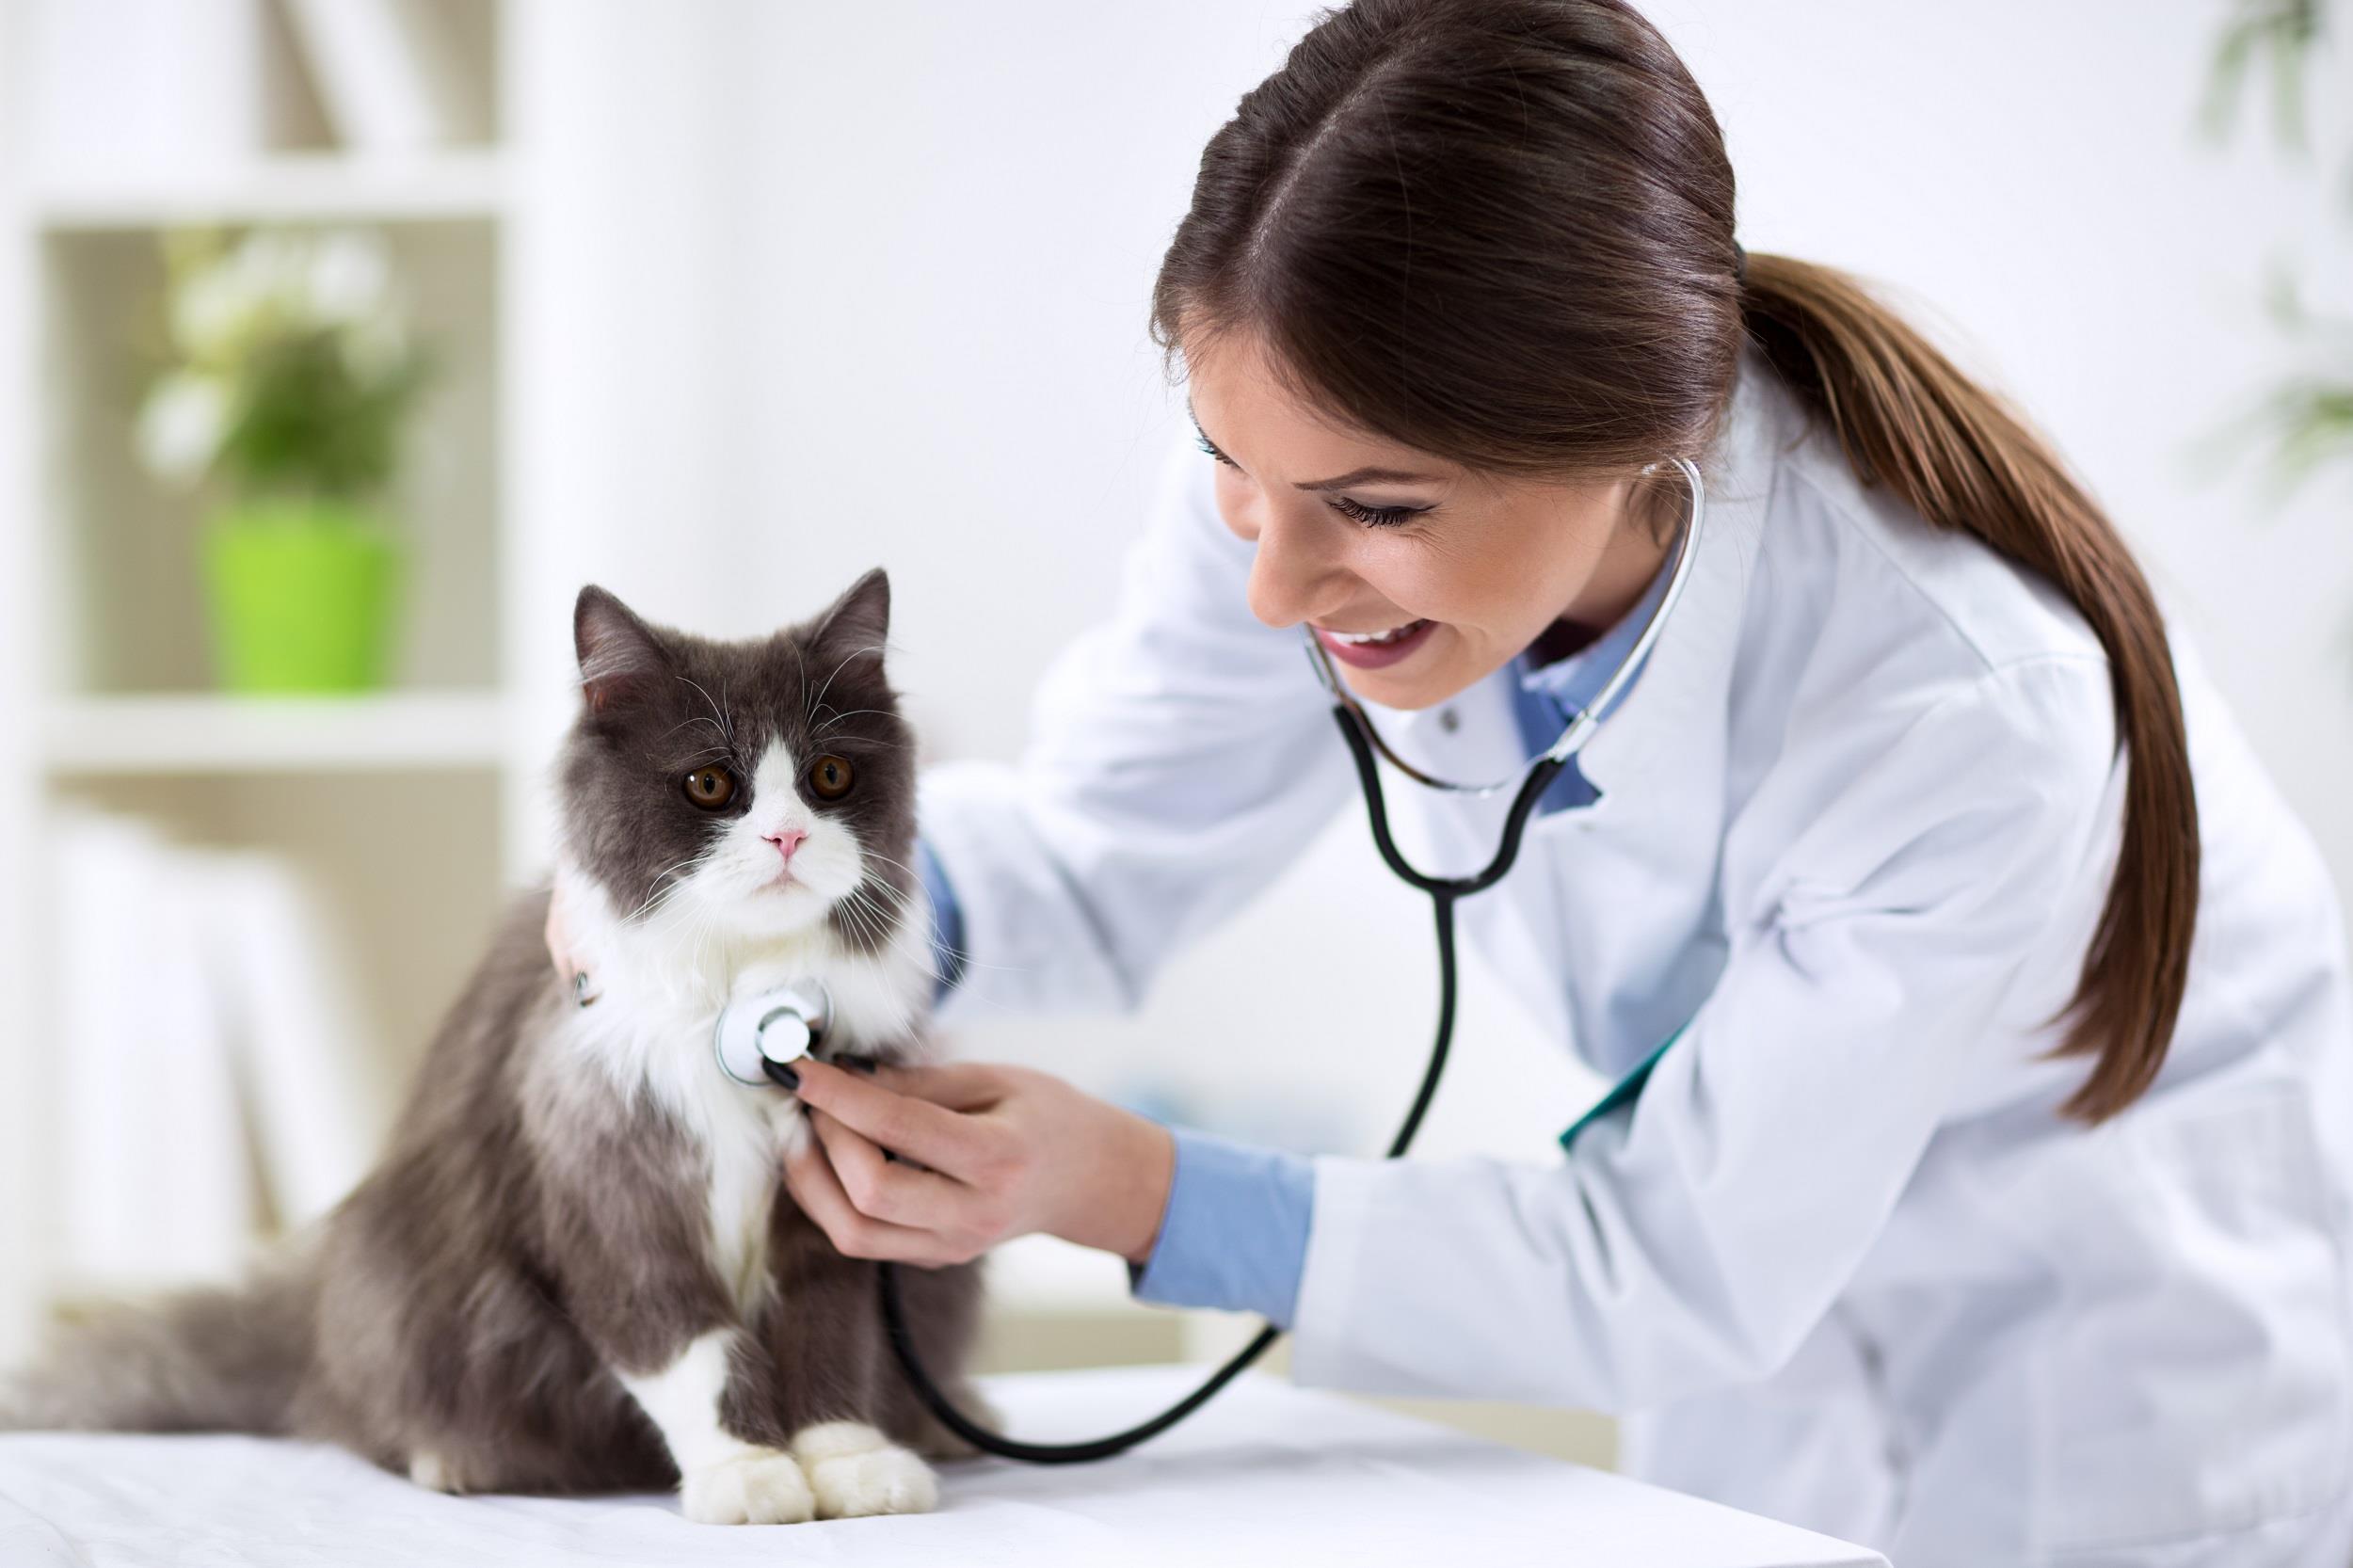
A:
[542,1224]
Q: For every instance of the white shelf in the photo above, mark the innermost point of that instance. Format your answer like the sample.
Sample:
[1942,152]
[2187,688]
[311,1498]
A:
[212,733]
[456,184]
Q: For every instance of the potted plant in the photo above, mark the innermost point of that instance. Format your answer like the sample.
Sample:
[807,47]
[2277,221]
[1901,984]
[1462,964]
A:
[2306,419]
[291,371]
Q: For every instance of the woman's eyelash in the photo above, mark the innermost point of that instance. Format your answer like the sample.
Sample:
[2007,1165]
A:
[1376,517]
[1372,517]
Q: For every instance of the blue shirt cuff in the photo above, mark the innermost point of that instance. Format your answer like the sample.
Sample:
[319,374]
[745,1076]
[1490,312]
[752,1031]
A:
[946,921]
[1234,1235]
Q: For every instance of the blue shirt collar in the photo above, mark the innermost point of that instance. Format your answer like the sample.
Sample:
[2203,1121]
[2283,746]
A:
[1544,696]
[1573,682]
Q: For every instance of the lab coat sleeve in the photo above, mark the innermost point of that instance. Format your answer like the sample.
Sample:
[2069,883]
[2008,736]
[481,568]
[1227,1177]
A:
[1692,1240]
[1180,755]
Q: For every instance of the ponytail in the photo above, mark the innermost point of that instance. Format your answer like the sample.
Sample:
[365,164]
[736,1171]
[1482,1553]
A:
[1567,298]
[1909,420]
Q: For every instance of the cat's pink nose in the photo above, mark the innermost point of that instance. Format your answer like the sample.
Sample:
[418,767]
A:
[786,841]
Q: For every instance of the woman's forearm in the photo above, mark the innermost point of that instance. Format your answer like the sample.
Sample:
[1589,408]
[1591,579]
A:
[1234,1231]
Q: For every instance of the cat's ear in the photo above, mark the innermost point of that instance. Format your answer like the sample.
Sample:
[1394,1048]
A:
[860,618]
[619,654]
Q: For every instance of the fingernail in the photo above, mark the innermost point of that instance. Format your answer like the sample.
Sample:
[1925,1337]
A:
[782,1072]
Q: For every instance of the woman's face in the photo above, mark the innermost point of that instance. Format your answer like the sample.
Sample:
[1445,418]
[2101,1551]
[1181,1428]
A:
[1358,537]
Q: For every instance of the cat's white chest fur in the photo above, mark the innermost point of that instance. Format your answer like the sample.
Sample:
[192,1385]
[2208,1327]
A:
[650,1032]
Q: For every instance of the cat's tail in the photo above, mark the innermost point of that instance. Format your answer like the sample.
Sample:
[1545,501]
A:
[205,1360]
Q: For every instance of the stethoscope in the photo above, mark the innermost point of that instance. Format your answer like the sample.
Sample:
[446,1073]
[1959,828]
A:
[758,1037]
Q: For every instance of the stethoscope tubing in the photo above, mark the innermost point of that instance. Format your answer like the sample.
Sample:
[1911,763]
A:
[1363,740]
[1443,893]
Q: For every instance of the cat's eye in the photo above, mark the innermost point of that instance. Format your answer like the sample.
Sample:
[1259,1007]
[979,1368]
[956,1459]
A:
[711,787]
[829,778]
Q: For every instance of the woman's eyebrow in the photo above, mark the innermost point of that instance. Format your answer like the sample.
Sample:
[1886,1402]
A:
[1366,475]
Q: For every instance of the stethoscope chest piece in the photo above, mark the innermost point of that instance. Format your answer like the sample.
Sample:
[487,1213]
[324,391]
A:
[771,1028]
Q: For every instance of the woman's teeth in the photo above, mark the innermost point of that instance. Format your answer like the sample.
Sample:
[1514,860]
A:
[1375,639]
[1374,650]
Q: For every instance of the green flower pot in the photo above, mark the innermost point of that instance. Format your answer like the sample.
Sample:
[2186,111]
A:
[304,595]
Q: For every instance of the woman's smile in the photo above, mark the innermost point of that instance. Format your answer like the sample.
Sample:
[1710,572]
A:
[1351,528]
[1372,651]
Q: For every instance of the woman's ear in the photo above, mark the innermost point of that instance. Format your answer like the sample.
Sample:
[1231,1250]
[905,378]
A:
[619,655]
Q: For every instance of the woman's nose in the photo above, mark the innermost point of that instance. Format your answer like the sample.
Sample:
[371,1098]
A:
[1293,573]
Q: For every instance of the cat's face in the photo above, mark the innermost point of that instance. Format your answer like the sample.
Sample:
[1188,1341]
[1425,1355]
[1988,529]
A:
[746,789]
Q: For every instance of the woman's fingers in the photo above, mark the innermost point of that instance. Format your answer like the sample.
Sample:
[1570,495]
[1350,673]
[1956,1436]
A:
[956,1086]
[898,1194]
[903,1123]
[558,940]
[808,1174]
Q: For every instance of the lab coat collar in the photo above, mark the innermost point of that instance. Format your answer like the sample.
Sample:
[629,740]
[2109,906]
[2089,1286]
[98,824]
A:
[1687,680]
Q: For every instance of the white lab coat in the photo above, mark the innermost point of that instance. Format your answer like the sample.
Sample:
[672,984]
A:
[1841,1263]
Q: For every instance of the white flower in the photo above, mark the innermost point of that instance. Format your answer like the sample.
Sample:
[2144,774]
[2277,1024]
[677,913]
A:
[275,264]
[181,425]
[214,313]
[347,279]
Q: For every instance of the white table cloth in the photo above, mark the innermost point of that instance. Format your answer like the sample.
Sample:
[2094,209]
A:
[1266,1474]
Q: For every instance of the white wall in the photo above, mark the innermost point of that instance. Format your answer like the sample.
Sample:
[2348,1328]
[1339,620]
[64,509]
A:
[920,342]
[21,1139]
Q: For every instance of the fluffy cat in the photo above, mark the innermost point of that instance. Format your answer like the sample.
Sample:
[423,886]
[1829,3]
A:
[575,1268]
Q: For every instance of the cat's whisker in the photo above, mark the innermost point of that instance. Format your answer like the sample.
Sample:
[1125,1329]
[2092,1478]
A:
[862,917]
[694,759]
[877,924]
[873,886]
[726,727]
[900,901]
[657,892]
[693,718]
[877,854]
[875,648]
[682,871]
[898,905]
[843,718]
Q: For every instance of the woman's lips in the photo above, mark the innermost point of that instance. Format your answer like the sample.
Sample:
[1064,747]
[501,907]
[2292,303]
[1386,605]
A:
[1374,656]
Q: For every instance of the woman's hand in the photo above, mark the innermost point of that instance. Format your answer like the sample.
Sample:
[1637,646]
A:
[559,942]
[999,1152]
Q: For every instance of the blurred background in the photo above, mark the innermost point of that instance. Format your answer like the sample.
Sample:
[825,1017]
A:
[718,303]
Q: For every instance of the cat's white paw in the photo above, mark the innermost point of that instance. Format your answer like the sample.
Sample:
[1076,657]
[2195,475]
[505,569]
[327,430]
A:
[758,1486]
[431,1471]
[856,1471]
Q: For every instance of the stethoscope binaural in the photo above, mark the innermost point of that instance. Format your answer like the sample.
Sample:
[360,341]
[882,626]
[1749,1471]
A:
[759,1035]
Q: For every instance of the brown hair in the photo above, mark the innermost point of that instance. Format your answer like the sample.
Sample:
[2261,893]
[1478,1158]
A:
[1502,231]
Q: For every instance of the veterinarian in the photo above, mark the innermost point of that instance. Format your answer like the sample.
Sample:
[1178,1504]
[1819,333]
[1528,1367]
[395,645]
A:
[1985,1198]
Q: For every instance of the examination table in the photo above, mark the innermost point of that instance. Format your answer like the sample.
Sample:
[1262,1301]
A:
[1266,1474]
